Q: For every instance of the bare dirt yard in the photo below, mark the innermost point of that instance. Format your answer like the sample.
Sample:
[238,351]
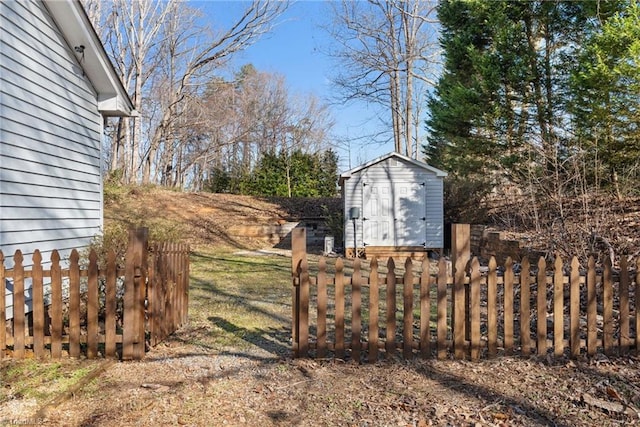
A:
[231,365]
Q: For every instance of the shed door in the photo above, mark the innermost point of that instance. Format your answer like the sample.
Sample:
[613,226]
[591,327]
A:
[394,214]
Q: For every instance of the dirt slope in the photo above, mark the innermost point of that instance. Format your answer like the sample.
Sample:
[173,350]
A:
[207,218]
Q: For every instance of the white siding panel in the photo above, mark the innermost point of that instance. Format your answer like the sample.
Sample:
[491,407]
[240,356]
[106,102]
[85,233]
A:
[10,200]
[45,224]
[352,194]
[55,120]
[52,164]
[27,68]
[22,213]
[15,238]
[50,139]
[435,213]
[72,145]
[18,182]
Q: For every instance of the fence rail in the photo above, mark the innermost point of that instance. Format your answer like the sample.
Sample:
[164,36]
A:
[107,311]
[425,310]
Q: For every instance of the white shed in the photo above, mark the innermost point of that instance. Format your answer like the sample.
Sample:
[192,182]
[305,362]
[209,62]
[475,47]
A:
[57,85]
[393,205]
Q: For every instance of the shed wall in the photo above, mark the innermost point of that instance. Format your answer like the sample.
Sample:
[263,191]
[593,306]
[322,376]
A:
[393,170]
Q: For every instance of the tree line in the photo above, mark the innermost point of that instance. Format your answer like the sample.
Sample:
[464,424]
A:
[538,107]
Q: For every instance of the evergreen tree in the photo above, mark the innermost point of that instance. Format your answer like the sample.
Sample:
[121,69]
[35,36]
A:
[606,102]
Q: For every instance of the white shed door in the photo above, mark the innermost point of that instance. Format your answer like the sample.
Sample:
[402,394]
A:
[394,215]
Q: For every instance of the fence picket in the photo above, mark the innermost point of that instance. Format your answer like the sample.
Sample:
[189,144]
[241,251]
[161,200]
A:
[558,308]
[637,307]
[92,306]
[152,296]
[74,305]
[175,295]
[592,331]
[298,250]
[508,306]
[129,315]
[56,306]
[541,307]
[3,309]
[322,308]
[391,308]
[459,305]
[339,345]
[140,280]
[442,309]
[38,304]
[425,309]
[624,306]
[110,306]
[407,307]
[165,297]
[186,269]
[574,308]
[525,308]
[356,311]
[18,306]
[374,310]
[607,307]
[304,307]
[492,309]
[474,295]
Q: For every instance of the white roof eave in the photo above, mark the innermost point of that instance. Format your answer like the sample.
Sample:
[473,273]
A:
[71,18]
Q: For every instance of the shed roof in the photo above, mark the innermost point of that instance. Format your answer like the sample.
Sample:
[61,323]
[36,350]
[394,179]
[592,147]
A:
[76,28]
[347,174]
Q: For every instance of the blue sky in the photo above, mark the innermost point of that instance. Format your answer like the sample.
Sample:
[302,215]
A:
[294,49]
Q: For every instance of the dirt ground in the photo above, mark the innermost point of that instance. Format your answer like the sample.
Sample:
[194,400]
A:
[181,384]
[188,381]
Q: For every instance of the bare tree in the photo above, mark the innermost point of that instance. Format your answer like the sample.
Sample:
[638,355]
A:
[162,56]
[198,58]
[388,53]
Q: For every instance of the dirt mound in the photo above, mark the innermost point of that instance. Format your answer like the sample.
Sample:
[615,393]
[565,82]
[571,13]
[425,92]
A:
[207,218]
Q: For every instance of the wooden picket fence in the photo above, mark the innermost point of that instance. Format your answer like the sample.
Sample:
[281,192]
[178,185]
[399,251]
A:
[115,311]
[475,312]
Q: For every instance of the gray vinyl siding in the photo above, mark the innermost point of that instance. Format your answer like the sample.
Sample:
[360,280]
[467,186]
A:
[394,170]
[50,139]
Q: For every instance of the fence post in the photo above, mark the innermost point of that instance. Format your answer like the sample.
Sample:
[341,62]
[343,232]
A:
[298,251]
[134,272]
[461,252]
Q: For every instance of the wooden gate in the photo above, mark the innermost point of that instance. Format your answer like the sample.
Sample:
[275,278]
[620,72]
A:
[110,310]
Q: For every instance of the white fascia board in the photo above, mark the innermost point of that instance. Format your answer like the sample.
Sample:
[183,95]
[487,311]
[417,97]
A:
[77,30]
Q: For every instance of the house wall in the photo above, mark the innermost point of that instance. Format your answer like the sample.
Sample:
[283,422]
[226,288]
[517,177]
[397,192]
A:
[394,170]
[50,139]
